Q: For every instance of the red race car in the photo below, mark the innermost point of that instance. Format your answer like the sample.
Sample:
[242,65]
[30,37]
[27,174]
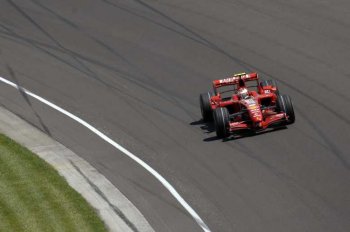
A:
[243,103]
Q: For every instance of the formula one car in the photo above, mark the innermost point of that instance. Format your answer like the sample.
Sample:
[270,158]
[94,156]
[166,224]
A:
[243,103]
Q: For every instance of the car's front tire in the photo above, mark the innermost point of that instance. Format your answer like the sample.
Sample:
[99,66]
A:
[222,122]
[284,104]
[205,105]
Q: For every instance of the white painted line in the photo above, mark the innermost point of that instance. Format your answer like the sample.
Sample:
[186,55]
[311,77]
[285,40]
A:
[159,177]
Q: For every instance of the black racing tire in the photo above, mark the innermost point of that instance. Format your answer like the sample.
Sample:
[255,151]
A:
[222,122]
[271,83]
[284,104]
[204,101]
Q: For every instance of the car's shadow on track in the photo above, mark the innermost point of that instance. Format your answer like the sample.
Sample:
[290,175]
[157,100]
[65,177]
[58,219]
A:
[209,127]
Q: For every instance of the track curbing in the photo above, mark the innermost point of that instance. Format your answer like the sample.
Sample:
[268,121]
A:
[117,212]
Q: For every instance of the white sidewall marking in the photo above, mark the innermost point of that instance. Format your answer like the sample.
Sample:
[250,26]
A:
[159,177]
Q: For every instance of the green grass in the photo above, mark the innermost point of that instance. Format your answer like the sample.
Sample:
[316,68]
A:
[34,197]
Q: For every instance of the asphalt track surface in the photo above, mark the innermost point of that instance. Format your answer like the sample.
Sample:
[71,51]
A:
[134,69]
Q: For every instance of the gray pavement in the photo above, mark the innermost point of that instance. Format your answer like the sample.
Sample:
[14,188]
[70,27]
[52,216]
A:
[134,69]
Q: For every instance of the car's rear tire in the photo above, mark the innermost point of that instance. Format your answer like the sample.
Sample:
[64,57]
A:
[272,83]
[204,101]
[222,122]
[284,104]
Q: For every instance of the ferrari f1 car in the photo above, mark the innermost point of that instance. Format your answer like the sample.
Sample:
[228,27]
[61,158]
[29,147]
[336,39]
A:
[243,103]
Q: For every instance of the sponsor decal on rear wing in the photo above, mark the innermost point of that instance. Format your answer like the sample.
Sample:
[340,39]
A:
[234,79]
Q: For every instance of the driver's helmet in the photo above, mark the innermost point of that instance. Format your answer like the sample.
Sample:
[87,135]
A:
[243,93]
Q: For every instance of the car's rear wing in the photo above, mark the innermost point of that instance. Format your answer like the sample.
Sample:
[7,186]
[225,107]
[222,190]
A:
[234,80]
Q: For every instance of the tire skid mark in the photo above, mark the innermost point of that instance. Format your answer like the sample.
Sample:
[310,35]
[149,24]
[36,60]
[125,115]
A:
[77,56]
[38,45]
[285,179]
[245,64]
[148,168]
[331,146]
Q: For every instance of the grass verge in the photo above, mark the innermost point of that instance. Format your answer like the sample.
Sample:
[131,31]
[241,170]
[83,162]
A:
[34,197]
